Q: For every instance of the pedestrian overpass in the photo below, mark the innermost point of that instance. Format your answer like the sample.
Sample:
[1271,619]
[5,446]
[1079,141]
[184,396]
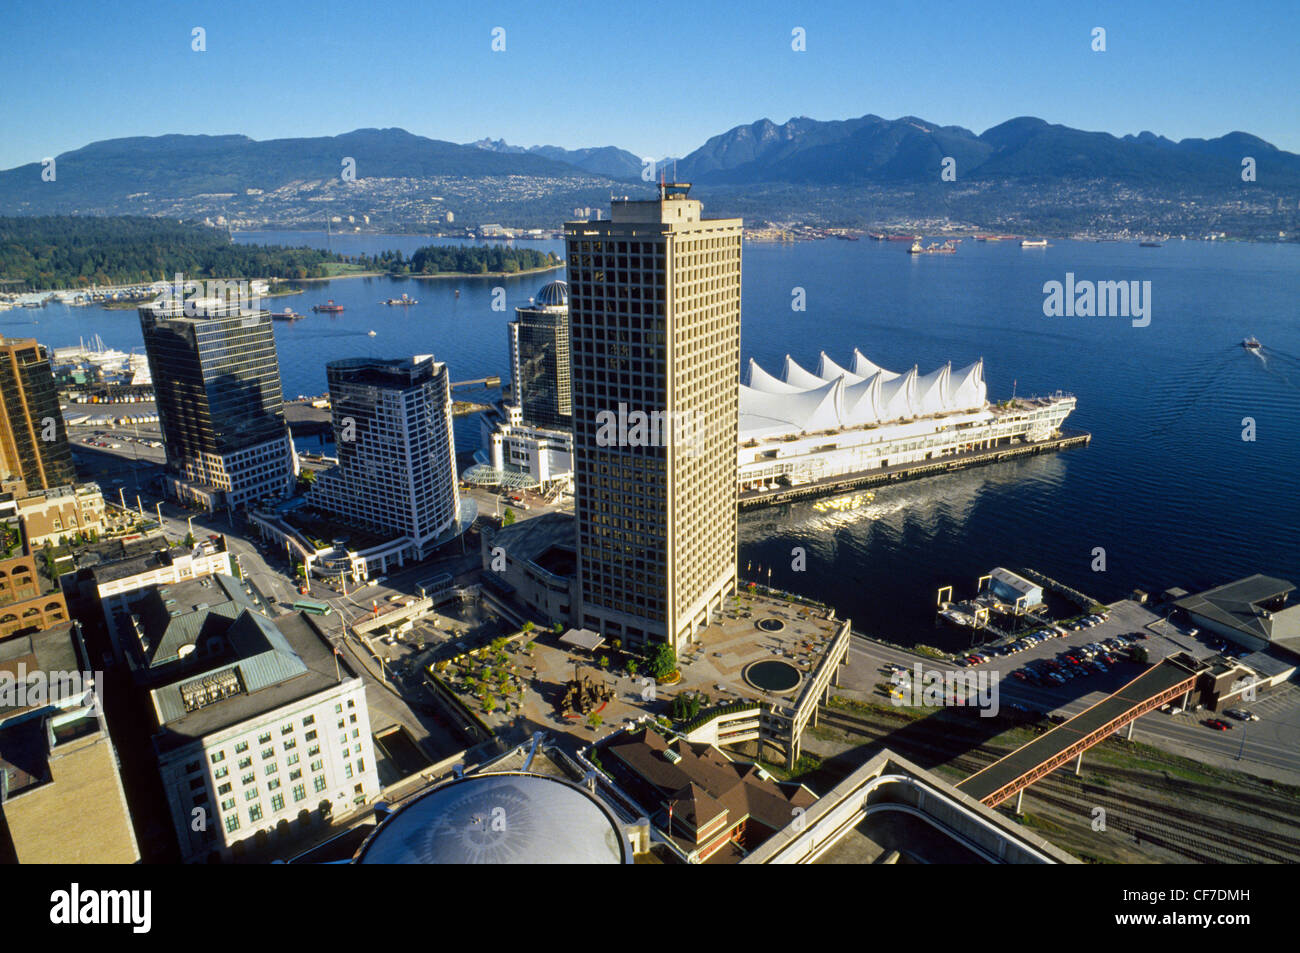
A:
[1160,684]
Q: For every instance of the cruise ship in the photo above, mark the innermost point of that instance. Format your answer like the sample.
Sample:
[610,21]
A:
[803,427]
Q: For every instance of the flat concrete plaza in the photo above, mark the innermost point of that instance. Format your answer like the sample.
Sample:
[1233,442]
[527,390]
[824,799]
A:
[713,665]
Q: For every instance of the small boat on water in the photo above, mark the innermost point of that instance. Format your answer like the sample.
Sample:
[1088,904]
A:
[370,334]
[403,300]
[329,308]
[1251,343]
[457,292]
[288,314]
[842,503]
[1033,243]
[1149,245]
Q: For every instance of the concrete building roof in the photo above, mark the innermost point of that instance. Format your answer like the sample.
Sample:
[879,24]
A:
[1243,605]
[51,650]
[528,539]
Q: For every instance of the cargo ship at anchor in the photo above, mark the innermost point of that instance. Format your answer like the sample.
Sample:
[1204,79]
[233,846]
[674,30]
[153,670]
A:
[329,308]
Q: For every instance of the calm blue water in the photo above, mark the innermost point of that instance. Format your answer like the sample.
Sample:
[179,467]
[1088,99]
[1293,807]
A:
[1168,487]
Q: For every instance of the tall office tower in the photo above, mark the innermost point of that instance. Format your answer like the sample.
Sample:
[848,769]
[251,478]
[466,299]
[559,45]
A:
[34,451]
[396,450]
[654,321]
[217,383]
[539,358]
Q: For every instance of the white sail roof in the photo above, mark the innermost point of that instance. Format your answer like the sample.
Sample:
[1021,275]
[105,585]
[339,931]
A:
[835,398]
[828,370]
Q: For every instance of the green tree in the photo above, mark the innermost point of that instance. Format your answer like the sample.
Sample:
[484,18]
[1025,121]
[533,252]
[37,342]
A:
[507,517]
[631,666]
[662,661]
[528,626]
[603,661]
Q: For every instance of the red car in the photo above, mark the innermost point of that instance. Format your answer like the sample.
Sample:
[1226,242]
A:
[1218,724]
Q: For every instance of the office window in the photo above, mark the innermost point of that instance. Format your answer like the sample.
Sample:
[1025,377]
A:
[291,760]
[232,823]
[224,789]
[248,778]
[193,766]
[268,753]
[264,739]
[241,747]
[290,744]
[200,799]
[338,709]
[347,770]
[313,751]
[356,748]
[245,762]
[299,792]
[295,774]
[271,769]
[197,783]
[254,813]
[218,757]
[310,736]
[361,765]
[356,732]
[228,804]
[342,722]
[351,704]
[277,803]
[352,719]
[309,720]
[286,729]
[220,773]
[317,765]
[319,782]
[251,794]
[273,784]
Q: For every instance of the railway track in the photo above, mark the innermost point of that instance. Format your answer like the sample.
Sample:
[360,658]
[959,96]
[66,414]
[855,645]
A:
[1175,828]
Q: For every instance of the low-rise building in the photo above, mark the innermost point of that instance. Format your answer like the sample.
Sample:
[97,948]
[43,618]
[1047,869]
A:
[61,512]
[61,796]
[29,600]
[698,799]
[261,728]
[534,563]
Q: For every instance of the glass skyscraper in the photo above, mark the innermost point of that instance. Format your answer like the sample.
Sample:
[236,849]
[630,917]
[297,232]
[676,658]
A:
[539,358]
[217,382]
[29,414]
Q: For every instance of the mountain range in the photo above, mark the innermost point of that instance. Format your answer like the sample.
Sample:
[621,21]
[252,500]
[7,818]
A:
[407,180]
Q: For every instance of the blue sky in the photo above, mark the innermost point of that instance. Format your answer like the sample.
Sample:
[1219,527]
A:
[656,78]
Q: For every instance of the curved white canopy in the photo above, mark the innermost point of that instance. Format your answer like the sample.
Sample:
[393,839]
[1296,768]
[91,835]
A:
[835,398]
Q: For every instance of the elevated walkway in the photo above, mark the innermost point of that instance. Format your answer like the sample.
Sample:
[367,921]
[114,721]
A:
[1158,685]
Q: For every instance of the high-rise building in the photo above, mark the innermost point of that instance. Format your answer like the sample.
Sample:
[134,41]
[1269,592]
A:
[34,451]
[539,358]
[654,318]
[397,456]
[217,383]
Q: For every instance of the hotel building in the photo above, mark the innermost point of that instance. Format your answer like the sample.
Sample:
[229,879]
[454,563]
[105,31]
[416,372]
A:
[397,458]
[654,316]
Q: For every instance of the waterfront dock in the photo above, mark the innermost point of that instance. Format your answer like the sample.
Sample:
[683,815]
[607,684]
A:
[910,471]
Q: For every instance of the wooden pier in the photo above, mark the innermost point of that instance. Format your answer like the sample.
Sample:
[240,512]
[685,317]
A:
[910,471]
